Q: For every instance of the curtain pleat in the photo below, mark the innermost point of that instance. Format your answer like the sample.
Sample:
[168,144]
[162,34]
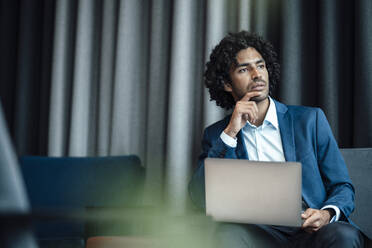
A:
[9,11]
[61,79]
[291,50]
[28,62]
[328,58]
[83,80]
[363,79]
[180,106]
[260,17]
[157,102]
[129,100]
[244,15]
[106,78]
[216,28]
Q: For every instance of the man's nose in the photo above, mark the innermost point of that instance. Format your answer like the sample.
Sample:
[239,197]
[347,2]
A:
[255,74]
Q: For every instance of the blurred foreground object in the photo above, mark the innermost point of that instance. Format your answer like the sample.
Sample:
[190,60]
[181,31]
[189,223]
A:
[159,229]
[13,199]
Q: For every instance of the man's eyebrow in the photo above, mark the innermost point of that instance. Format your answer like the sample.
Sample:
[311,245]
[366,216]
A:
[253,62]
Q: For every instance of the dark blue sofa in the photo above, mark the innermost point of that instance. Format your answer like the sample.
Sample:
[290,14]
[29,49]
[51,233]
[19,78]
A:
[62,185]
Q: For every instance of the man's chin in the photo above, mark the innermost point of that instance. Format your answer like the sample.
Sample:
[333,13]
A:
[260,98]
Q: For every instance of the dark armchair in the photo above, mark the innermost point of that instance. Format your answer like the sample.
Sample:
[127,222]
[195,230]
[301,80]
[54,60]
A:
[359,163]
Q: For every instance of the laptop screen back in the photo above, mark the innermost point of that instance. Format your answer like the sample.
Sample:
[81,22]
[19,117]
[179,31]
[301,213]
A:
[253,192]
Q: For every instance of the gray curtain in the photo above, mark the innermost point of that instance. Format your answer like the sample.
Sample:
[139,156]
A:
[110,77]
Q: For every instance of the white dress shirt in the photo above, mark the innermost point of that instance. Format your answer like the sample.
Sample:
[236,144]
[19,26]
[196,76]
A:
[264,143]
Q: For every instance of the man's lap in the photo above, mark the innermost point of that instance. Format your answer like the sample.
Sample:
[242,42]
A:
[337,234]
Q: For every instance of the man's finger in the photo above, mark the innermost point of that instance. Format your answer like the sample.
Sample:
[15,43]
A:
[309,222]
[249,116]
[308,213]
[249,112]
[249,95]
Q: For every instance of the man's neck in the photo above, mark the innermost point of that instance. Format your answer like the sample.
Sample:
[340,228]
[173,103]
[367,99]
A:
[262,106]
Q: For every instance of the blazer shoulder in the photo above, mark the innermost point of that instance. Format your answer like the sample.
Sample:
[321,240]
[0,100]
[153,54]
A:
[295,109]
[303,111]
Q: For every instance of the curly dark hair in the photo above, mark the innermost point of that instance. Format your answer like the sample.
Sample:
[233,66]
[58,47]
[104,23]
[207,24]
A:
[223,57]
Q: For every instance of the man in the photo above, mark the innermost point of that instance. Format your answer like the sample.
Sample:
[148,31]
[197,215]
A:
[242,69]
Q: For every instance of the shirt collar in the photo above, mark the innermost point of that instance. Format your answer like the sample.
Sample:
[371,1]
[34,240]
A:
[271,116]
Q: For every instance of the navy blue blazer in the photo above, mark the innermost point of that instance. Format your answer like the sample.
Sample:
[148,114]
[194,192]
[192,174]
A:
[306,138]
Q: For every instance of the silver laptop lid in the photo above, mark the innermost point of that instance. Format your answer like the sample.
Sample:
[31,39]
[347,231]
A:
[253,192]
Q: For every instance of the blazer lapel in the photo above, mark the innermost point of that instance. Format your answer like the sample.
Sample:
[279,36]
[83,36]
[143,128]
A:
[286,131]
[241,150]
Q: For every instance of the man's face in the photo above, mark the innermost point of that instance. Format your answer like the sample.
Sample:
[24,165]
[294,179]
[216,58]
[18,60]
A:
[250,74]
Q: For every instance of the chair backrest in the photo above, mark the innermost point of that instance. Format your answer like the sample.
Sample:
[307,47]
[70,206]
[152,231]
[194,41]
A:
[13,197]
[359,163]
[78,183]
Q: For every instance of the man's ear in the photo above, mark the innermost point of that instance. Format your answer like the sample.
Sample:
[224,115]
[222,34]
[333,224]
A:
[227,87]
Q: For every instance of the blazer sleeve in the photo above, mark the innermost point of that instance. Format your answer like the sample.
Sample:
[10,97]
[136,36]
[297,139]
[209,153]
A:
[212,147]
[339,188]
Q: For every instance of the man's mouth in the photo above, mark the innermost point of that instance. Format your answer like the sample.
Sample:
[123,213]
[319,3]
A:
[258,86]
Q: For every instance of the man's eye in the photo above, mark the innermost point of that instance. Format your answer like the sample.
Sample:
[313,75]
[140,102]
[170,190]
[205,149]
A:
[242,70]
[261,66]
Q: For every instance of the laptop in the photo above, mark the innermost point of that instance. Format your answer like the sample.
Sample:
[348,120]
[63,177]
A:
[254,192]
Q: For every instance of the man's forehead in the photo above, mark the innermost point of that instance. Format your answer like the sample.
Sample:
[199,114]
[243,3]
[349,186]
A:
[248,55]
[244,62]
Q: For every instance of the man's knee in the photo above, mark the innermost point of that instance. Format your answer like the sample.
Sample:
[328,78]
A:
[340,234]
